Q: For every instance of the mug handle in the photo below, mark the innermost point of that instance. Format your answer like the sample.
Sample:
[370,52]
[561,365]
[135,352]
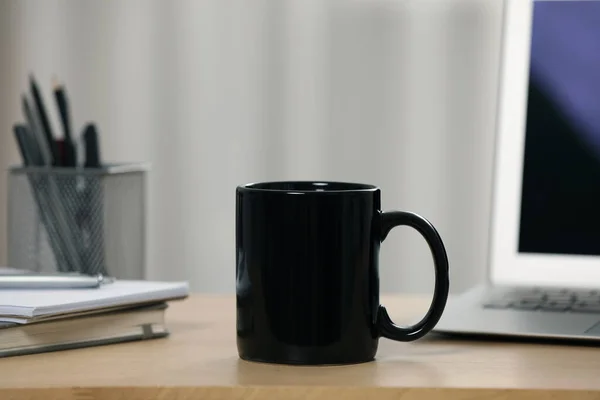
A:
[387,328]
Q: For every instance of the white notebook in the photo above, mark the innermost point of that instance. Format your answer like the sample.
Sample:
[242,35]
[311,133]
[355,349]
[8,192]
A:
[138,323]
[23,305]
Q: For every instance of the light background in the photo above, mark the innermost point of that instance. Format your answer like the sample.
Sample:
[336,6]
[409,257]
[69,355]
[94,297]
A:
[216,93]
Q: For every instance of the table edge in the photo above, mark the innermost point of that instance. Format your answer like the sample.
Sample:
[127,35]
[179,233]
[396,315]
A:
[296,392]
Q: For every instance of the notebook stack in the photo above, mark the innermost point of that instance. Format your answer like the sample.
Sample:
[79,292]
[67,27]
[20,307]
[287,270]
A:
[36,321]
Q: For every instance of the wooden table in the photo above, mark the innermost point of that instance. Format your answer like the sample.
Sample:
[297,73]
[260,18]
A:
[199,361]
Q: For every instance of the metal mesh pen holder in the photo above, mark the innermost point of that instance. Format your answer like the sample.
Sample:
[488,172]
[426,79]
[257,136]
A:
[78,220]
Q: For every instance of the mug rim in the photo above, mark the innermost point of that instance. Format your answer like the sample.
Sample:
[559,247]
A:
[349,187]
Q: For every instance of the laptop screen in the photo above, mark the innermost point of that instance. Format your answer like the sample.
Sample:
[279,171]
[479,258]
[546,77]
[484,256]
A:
[560,204]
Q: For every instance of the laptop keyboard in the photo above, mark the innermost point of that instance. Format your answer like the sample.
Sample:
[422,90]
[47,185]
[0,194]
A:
[546,300]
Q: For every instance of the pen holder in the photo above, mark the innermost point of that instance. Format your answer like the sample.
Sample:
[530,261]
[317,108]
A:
[86,220]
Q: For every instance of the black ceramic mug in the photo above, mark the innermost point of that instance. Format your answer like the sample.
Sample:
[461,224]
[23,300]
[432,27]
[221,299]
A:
[307,272]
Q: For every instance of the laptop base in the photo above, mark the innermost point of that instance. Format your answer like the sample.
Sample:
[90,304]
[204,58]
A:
[468,314]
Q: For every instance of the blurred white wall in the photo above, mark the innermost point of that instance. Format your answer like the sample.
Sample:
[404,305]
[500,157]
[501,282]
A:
[400,93]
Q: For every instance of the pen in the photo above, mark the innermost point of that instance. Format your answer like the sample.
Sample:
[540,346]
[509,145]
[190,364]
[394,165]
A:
[53,281]
[43,119]
[66,221]
[70,155]
[31,157]
[54,206]
[36,132]
[92,147]
[93,212]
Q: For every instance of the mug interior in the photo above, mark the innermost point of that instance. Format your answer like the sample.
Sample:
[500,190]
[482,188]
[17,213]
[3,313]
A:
[308,186]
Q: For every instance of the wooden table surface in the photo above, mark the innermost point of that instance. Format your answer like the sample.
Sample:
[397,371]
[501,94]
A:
[199,360]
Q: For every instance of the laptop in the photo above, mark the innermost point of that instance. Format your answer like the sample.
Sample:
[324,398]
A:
[543,275]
